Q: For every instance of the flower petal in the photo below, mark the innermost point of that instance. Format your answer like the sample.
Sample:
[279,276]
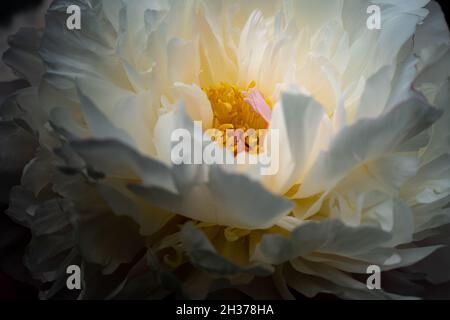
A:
[366,140]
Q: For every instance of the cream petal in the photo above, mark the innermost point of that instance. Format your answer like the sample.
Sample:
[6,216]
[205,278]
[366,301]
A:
[196,102]
[331,242]
[403,83]
[367,140]
[267,53]
[304,130]
[217,55]
[311,286]
[319,78]
[371,50]
[37,174]
[120,166]
[393,170]
[183,60]
[376,94]
[396,218]
[431,183]
[313,14]
[99,124]
[434,72]
[108,241]
[435,266]
[330,236]
[434,31]
[34,116]
[392,38]
[114,113]
[392,259]
[23,56]
[52,236]
[437,220]
[204,256]
[149,218]
[117,160]
[92,49]
[439,143]
[349,287]
[143,280]
[220,200]
[63,120]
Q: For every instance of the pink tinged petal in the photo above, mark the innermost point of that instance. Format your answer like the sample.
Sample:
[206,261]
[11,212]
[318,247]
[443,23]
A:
[255,99]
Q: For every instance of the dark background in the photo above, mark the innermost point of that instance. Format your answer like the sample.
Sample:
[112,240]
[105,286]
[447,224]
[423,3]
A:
[12,7]
[10,289]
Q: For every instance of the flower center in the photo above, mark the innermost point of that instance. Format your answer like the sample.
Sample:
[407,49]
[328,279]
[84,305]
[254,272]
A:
[239,111]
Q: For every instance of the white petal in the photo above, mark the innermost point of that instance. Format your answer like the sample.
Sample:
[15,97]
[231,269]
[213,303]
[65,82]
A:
[221,198]
[204,256]
[366,140]
[197,104]
[114,113]
[330,236]
[304,131]
[434,31]
[376,94]
[23,56]
[114,159]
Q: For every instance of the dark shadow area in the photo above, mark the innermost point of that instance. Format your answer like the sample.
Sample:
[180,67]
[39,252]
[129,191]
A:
[11,8]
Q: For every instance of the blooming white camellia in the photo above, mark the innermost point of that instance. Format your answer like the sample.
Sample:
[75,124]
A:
[364,154]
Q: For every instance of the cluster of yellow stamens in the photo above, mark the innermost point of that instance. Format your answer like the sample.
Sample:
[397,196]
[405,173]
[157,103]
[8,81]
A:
[232,113]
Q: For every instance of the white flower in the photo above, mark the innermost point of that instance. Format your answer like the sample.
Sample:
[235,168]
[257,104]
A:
[363,117]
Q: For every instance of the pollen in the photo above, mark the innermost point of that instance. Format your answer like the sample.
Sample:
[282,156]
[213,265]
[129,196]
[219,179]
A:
[239,110]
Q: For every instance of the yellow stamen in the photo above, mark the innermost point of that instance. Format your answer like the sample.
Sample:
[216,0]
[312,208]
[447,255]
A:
[231,112]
